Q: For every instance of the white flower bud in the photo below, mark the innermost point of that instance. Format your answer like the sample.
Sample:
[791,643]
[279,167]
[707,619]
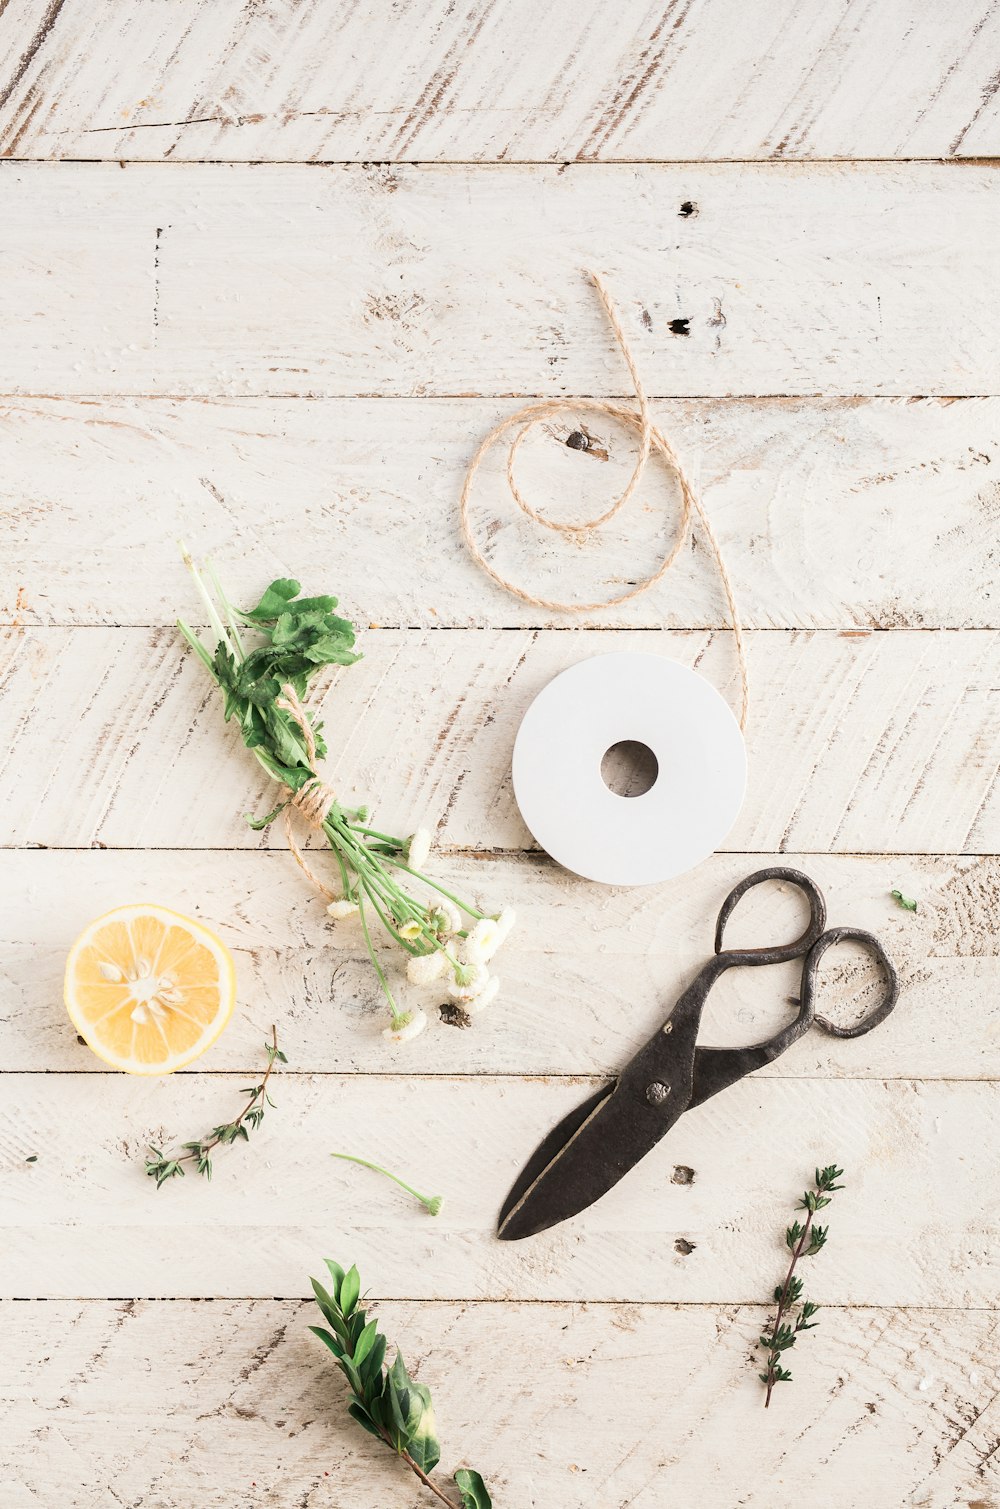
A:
[338,910]
[485,996]
[409,1026]
[424,969]
[418,848]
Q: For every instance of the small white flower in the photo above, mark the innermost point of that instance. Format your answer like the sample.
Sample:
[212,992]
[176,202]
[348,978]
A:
[410,930]
[470,980]
[444,918]
[418,848]
[405,1027]
[338,910]
[505,923]
[486,995]
[424,969]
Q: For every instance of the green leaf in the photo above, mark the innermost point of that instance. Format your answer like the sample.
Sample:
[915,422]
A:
[361,1415]
[424,1447]
[906,902]
[337,1274]
[331,1312]
[397,1408]
[473,1490]
[274,601]
[371,1368]
[350,1289]
[328,1340]
[365,1342]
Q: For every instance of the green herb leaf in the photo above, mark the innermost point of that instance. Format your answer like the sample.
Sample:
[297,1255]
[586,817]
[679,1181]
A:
[274,601]
[350,1289]
[198,1151]
[906,902]
[473,1490]
[424,1447]
[390,1405]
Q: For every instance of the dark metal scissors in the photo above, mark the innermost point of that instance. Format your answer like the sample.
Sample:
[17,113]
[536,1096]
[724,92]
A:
[596,1145]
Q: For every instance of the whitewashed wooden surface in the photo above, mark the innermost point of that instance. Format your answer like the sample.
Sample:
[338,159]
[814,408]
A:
[322,249]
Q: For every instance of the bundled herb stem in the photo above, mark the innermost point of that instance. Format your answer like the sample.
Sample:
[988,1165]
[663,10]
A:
[162,1167]
[263,685]
[387,1402]
[803,1239]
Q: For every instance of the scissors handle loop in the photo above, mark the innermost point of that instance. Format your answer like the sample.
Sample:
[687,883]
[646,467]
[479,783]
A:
[870,942]
[782,952]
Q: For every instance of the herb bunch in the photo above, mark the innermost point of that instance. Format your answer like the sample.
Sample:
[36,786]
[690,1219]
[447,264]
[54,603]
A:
[162,1167]
[803,1239]
[387,1402]
[263,686]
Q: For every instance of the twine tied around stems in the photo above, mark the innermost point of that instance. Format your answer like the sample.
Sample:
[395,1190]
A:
[313,800]
[652,441]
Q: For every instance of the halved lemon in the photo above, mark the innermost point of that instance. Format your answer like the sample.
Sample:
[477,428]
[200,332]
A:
[149,989]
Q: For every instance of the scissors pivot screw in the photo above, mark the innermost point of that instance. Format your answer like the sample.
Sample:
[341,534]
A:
[657,1092]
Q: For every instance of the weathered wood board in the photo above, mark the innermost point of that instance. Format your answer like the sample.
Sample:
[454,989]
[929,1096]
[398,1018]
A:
[830,513]
[587,976]
[413,280]
[427,719]
[503,83]
[232,1402]
[922,1153]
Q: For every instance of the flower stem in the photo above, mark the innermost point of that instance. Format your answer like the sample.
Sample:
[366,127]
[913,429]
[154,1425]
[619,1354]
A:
[433,1204]
[371,954]
[463,906]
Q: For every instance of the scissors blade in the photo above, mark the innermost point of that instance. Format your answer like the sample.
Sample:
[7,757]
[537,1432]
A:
[581,1159]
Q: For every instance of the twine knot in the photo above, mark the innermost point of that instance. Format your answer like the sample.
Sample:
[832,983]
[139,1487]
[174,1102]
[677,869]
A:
[312,801]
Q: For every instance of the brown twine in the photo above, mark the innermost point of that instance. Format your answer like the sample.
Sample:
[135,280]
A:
[652,441]
[314,800]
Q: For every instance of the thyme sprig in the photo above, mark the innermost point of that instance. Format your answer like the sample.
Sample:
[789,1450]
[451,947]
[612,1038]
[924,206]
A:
[431,1203]
[803,1239]
[387,1402]
[162,1167]
[263,659]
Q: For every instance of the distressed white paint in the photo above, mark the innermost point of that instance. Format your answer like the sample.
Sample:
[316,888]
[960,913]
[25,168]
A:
[856,741]
[587,976]
[415,281]
[232,1403]
[922,1154]
[509,82]
[830,513]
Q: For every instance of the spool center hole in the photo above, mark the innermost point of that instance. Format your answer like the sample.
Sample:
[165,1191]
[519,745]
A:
[629,768]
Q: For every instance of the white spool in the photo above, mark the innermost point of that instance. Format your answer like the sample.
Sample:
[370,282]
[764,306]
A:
[690,807]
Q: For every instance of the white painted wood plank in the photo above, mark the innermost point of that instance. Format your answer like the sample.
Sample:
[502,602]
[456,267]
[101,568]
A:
[232,1402]
[587,976]
[830,513]
[857,742]
[85,1221]
[418,281]
[498,82]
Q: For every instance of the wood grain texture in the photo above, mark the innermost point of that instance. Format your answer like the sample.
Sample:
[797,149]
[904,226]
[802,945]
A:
[921,1154]
[830,513]
[415,281]
[587,976]
[856,741]
[700,79]
[234,1403]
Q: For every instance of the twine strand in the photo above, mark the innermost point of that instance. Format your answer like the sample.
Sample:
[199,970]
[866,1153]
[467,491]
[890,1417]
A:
[652,440]
[312,801]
